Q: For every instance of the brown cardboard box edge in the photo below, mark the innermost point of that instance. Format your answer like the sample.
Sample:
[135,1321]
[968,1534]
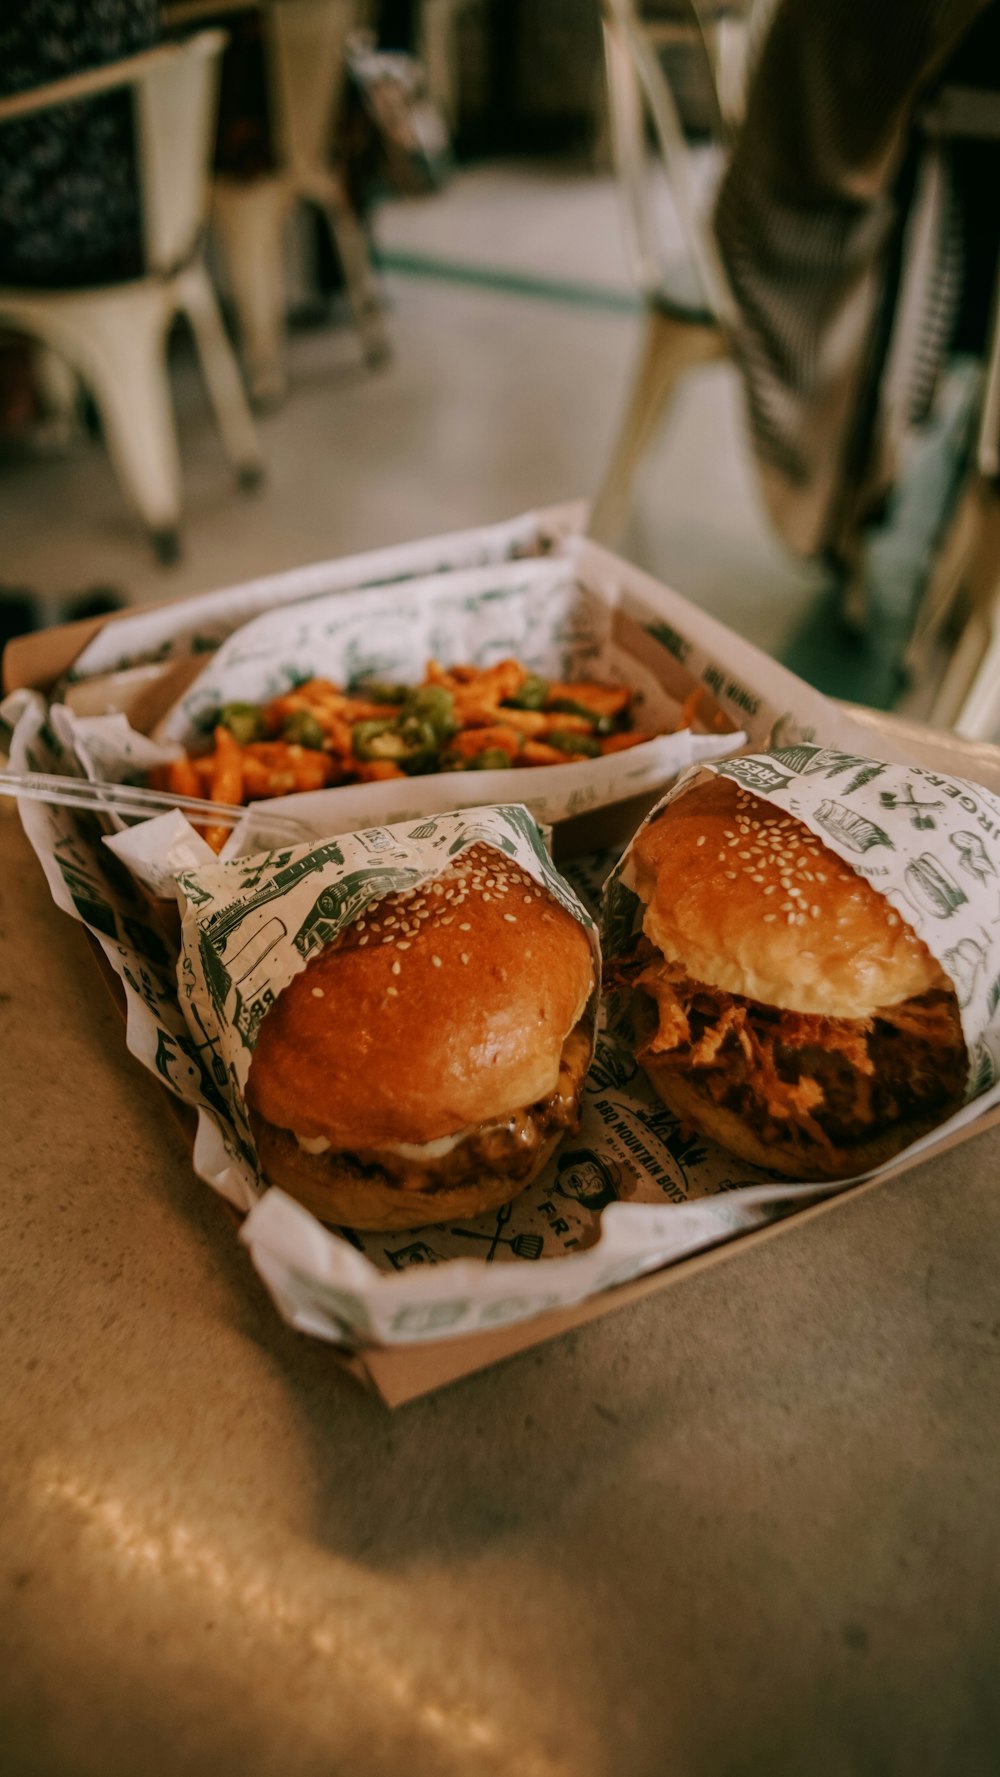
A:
[402,1373]
[37,660]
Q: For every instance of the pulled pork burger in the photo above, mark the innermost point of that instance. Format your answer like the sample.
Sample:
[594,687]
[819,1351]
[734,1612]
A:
[425,1064]
[793,1016]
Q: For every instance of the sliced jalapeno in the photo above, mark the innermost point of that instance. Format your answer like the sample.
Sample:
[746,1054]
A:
[378,739]
[302,729]
[411,745]
[573,743]
[245,721]
[566,706]
[420,735]
[530,695]
[434,708]
[378,691]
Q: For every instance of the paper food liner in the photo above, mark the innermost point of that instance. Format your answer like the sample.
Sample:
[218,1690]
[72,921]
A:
[628,1195]
[929,843]
[198,624]
[543,612]
[632,1192]
[251,926]
[537,611]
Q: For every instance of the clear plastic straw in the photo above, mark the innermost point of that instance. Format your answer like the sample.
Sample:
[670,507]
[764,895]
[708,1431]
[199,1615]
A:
[130,799]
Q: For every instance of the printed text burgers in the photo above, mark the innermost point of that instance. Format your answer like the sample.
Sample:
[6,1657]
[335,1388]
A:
[789,1012]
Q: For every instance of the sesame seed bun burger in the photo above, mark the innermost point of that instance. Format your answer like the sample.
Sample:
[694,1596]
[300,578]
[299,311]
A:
[424,1065]
[787,1010]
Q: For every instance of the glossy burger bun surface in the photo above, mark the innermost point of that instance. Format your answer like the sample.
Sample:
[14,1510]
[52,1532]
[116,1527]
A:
[758,921]
[750,901]
[443,1012]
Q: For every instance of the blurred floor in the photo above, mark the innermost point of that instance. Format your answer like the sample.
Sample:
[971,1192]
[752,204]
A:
[537,221]
[514,327]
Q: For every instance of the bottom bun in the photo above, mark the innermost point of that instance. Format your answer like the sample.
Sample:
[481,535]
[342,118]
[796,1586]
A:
[805,1160]
[341,1190]
[478,1169]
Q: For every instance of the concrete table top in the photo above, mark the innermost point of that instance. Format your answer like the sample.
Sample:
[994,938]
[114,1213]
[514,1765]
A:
[751,1525]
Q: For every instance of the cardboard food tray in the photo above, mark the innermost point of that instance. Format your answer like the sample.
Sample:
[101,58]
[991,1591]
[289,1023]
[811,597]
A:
[400,1373]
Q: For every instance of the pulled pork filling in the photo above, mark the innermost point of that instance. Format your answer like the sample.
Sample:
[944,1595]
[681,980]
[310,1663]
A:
[508,1146]
[796,1077]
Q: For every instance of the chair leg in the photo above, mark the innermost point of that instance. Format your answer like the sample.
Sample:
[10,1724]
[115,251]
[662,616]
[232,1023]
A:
[196,297]
[362,291]
[117,342]
[979,716]
[944,586]
[670,348]
[59,389]
[249,219]
[968,699]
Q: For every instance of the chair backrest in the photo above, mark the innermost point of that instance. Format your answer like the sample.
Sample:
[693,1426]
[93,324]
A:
[305,41]
[175,110]
[637,88]
[174,92]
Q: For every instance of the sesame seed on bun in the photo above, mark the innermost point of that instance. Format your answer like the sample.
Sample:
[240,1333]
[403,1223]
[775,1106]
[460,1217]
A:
[753,902]
[790,1012]
[424,1065]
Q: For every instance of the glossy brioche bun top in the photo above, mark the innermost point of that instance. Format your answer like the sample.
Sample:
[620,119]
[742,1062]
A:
[440,1008]
[749,900]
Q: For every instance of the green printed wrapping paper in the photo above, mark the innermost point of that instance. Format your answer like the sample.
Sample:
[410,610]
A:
[596,1214]
[541,611]
[88,883]
[535,611]
[197,625]
[928,842]
[250,926]
[633,1191]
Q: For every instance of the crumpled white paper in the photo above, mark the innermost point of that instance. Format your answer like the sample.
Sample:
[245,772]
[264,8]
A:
[927,841]
[631,1193]
[250,926]
[543,611]
[158,851]
[197,625]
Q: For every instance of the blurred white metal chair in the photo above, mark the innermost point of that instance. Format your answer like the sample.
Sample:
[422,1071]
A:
[114,337]
[304,45]
[687,297]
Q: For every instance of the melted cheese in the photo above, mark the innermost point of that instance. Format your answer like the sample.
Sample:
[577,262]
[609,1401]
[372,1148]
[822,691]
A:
[311,1144]
[406,1150]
